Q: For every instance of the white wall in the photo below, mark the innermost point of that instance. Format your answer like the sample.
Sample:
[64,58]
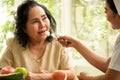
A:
[66,16]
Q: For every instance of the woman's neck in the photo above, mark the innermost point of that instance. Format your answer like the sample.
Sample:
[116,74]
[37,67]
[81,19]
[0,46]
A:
[37,49]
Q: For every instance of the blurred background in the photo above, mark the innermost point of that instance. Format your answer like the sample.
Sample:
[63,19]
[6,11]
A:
[84,19]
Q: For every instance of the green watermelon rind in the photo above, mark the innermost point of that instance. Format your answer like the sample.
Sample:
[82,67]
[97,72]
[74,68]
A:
[15,76]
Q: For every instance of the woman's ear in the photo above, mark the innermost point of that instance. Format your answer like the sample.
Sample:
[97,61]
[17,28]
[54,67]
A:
[114,15]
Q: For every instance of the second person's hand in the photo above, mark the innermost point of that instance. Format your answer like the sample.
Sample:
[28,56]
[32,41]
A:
[66,41]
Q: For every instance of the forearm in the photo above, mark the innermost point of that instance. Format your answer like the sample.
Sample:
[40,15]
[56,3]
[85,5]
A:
[39,76]
[86,76]
[99,77]
[93,58]
[46,76]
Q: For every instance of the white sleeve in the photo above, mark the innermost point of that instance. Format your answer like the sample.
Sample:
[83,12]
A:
[115,59]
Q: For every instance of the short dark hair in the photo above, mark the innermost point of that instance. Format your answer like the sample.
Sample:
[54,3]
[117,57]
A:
[112,6]
[22,17]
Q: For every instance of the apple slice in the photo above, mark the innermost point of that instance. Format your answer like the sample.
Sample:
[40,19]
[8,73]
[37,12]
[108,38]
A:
[47,33]
[21,70]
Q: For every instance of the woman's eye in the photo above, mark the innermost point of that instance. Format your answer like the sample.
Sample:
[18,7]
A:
[44,18]
[34,21]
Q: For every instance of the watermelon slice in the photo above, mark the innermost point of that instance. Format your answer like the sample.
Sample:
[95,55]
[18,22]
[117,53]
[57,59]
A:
[14,76]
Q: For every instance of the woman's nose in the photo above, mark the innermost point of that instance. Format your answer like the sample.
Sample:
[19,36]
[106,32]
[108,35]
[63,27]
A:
[42,24]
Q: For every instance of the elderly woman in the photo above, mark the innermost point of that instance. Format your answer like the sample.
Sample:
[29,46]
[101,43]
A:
[33,46]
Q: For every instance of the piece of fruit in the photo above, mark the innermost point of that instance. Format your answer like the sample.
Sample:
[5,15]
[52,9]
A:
[47,33]
[59,75]
[14,76]
[21,70]
[7,70]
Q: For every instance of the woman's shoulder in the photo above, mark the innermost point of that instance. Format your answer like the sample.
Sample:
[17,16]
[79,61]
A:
[11,40]
[13,44]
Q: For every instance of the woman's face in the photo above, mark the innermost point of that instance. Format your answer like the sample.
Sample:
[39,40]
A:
[37,24]
[113,18]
